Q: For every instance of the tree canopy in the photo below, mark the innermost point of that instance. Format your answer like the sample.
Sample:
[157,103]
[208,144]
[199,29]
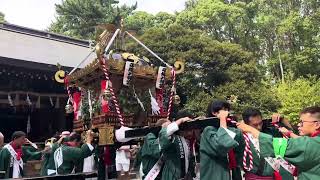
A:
[79,18]
[271,30]
[231,48]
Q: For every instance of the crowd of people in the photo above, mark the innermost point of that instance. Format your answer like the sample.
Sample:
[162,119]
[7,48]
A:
[253,149]
[61,155]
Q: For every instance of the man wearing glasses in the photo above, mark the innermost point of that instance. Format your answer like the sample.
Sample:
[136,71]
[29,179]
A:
[303,152]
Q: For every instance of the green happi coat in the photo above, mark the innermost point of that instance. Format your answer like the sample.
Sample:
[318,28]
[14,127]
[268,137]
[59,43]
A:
[5,160]
[48,161]
[214,147]
[266,170]
[73,157]
[262,167]
[150,153]
[138,160]
[303,152]
[45,161]
[171,151]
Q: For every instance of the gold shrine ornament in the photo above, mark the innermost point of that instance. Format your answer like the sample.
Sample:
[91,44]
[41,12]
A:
[107,95]
[106,135]
[59,76]
[176,100]
[179,66]
[69,109]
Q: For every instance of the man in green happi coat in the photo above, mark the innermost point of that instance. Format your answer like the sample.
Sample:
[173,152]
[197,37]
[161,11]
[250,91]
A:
[48,165]
[47,159]
[68,157]
[14,154]
[303,152]
[150,151]
[220,152]
[262,168]
[178,160]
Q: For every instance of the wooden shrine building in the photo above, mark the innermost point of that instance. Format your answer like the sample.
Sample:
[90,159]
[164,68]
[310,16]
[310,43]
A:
[31,99]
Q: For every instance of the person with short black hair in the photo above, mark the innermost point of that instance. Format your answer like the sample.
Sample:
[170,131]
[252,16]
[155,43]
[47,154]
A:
[303,152]
[219,147]
[14,154]
[254,117]
[217,105]
[262,169]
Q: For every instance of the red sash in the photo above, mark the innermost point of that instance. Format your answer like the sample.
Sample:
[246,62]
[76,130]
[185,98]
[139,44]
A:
[18,150]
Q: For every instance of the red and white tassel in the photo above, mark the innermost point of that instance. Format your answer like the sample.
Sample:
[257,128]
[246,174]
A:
[114,98]
[247,152]
[70,99]
[173,91]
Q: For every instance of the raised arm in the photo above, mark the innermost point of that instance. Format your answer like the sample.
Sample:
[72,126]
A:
[167,131]
[218,142]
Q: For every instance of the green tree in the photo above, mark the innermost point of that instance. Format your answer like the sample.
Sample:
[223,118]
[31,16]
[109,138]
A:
[295,95]
[141,21]
[273,30]
[213,69]
[2,17]
[79,18]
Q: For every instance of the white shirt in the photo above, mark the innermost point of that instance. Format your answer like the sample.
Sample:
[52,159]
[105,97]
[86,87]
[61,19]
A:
[122,155]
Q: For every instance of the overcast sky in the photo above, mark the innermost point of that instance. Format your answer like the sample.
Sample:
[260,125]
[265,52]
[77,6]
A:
[38,14]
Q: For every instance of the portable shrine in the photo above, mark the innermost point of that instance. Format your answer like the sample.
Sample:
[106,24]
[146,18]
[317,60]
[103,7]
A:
[119,88]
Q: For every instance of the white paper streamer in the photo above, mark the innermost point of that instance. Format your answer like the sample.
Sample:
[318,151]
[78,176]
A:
[28,125]
[90,104]
[10,100]
[28,100]
[139,101]
[154,105]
